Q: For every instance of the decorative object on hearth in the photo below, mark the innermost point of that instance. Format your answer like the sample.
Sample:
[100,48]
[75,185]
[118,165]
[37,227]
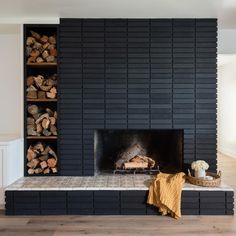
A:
[211,179]
[41,49]
[199,168]
[165,193]
[41,159]
[41,122]
[40,87]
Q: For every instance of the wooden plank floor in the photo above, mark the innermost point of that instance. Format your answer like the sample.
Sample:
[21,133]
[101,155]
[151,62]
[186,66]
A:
[126,225]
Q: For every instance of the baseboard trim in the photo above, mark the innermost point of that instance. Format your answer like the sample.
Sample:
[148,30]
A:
[227,152]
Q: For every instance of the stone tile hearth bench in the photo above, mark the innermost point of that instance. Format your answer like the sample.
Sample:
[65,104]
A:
[107,195]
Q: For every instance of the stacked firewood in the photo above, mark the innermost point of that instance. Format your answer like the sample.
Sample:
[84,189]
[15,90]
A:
[139,162]
[134,157]
[41,48]
[41,122]
[41,159]
[40,87]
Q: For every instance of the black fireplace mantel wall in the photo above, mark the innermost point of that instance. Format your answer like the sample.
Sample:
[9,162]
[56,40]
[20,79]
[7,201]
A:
[136,74]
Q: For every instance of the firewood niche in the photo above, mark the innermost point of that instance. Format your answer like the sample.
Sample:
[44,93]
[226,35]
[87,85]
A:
[41,93]
[41,48]
[41,121]
[41,159]
[41,87]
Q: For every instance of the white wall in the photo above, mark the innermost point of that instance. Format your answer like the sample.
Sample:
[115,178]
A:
[10,80]
[227,104]
[226,41]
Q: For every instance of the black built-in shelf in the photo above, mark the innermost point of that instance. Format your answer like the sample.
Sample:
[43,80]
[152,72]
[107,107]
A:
[43,69]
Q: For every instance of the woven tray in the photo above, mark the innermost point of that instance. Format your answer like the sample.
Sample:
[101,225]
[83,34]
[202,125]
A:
[205,183]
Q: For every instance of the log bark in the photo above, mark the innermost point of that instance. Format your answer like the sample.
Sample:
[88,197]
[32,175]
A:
[37,46]
[46,45]
[33,109]
[45,88]
[53,51]
[30,41]
[53,129]
[32,95]
[30,80]
[33,163]
[39,128]
[35,35]
[135,165]
[45,123]
[31,130]
[43,158]
[51,82]
[128,154]
[38,170]
[49,111]
[30,121]
[35,53]
[140,162]
[31,154]
[52,40]
[46,132]
[41,94]
[52,120]
[45,115]
[39,80]
[55,115]
[51,152]
[50,59]
[44,39]
[31,59]
[39,147]
[46,171]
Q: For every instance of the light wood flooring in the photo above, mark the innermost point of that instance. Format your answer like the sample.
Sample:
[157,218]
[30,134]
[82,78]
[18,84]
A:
[127,225]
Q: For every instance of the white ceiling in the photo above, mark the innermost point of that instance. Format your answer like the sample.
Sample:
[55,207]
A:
[25,11]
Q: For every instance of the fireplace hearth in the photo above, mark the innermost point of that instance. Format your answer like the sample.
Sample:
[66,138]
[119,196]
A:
[125,150]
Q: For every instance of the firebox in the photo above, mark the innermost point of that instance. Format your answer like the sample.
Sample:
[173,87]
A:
[117,149]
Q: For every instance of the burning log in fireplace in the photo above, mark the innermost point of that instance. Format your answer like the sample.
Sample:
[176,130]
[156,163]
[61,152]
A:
[41,159]
[134,157]
[140,162]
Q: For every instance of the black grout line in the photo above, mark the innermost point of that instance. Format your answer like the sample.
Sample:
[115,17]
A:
[195,100]
[150,76]
[82,98]
[172,75]
[127,76]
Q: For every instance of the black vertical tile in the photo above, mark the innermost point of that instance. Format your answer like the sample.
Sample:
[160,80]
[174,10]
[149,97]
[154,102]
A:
[137,74]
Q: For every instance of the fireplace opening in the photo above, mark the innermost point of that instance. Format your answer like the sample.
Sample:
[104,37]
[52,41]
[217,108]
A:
[134,149]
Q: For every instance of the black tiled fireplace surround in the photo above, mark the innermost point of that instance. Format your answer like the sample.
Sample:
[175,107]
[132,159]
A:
[136,74]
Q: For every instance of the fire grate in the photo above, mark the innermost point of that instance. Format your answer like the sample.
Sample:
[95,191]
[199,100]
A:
[137,171]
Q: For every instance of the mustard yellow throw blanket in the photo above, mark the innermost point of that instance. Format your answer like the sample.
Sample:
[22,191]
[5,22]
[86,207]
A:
[165,193]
